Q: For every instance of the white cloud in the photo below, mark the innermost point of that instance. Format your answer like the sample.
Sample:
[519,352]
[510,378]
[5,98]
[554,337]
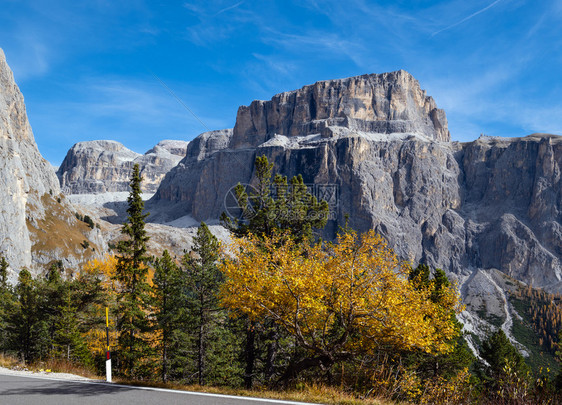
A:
[469,17]
[229,8]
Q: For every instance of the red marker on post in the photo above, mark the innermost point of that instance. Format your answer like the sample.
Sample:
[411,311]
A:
[108,353]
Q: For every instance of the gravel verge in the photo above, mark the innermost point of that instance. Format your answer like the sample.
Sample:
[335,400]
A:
[44,374]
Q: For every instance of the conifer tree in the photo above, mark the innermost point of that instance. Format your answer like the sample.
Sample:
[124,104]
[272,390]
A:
[3,272]
[506,370]
[133,299]
[6,302]
[23,321]
[68,342]
[50,291]
[277,205]
[203,280]
[460,357]
[167,305]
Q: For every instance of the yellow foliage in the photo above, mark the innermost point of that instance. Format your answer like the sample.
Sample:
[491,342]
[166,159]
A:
[106,268]
[96,337]
[349,296]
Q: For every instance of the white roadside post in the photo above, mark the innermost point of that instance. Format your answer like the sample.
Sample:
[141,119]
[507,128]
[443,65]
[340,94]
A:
[108,353]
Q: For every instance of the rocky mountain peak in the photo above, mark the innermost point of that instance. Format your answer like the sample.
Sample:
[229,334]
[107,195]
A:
[174,147]
[383,103]
[105,166]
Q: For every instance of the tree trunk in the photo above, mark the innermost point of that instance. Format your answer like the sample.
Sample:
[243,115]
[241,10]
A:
[250,354]
[295,367]
[164,357]
[272,347]
[200,350]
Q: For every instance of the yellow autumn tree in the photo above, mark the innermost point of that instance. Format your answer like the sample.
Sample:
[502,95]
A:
[338,301]
[104,269]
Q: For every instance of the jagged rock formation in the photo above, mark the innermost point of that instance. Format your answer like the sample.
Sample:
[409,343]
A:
[467,208]
[106,166]
[28,227]
[381,103]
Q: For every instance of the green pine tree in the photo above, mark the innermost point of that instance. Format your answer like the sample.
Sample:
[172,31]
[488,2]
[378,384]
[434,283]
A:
[7,303]
[50,291]
[167,305]
[506,369]
[278,205]
[433,365]
[203,280]
[3,271]
[68,342]
[23,322]
[133,298]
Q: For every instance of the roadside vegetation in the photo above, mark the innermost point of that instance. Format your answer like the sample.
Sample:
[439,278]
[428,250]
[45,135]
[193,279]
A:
[277,313]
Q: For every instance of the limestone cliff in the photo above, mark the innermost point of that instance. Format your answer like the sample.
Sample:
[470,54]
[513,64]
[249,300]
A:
[106,166]
[380,103]
[37,226]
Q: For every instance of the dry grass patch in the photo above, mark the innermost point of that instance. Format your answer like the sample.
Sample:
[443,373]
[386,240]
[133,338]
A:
[60,230]
[10,362]
[63,366]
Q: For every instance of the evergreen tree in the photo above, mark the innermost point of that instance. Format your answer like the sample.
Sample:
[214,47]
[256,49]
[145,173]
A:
[3,271]
[50,291]
[498,351]
[23,322]
[133,299]
[203,280]
[7,302]
[277,205]
[506,369]
[167,305]
[68,341]
[558,378]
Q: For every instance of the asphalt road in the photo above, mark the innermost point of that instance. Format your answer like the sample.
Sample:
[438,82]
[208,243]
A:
[16,390]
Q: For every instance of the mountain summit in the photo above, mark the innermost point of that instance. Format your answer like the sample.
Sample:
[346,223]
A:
[381,103]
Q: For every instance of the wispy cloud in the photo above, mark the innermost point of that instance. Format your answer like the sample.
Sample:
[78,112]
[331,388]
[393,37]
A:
[137,113]
[276,64]
[229,8]
[465,19]
[317,43]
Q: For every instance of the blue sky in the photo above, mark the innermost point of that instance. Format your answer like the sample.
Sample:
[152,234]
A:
[91,70]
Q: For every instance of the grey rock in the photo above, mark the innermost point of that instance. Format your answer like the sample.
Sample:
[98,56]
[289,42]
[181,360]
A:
[493,203]
[105,166]
[24,175]
[381,103]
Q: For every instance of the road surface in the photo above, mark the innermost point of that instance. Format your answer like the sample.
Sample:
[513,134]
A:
[20,390]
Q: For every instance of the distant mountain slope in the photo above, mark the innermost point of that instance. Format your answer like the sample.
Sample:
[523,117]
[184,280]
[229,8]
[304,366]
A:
[106,166]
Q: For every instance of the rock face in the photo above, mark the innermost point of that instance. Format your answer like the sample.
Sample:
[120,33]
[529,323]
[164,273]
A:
[37,224]
[24,175]
[105,166]
[380,103]
[383,146]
